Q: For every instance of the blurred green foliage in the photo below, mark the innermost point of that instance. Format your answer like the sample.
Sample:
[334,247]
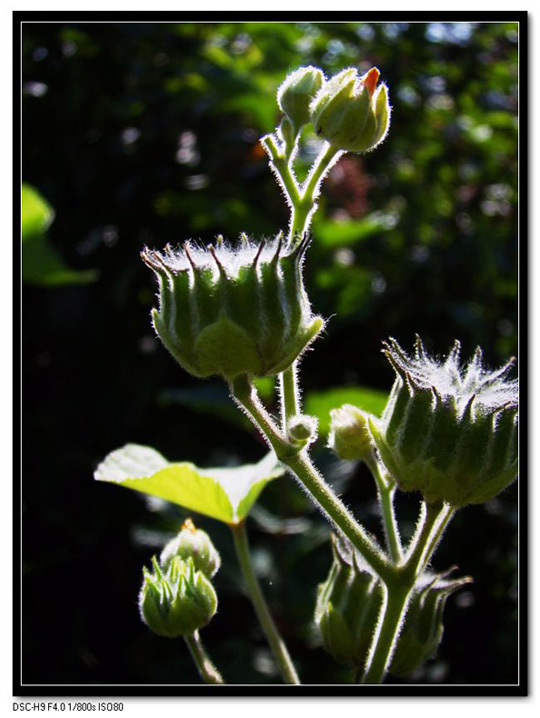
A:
[148,133]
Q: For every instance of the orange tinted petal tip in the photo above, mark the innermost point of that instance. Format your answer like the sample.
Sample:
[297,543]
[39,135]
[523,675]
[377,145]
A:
[370,80]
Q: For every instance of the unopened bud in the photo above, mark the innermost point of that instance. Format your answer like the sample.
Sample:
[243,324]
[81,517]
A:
[351,112]
[348,604]
[423,628]
[350,438]
[230,312]
[302,430]
[449,431]
[178,601]
[192,543]
[296,93]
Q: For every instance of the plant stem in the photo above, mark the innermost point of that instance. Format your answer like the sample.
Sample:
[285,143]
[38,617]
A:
[435,517]
[304,203]
[277,645]
[290,399]
[209,673]
[386,491]
[301,466]
[386,634]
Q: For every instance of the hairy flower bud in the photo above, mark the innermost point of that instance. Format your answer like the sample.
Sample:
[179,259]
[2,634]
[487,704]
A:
[350,438]
[192,543]
[302,430]
[348,604]
[230,312]
[447,431]
[296,92]
[351,112]
[423,628]
[176,602]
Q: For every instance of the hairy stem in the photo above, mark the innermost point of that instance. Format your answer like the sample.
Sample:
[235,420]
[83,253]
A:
[301,466]
[290,396]
[304,204]
[386,634]
[277,645]
[209,673]
[434,519]
[386,491]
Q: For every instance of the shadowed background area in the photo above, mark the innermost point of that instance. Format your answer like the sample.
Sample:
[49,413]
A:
[143,134]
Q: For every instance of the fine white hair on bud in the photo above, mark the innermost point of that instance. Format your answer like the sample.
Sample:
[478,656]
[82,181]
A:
[230,311]
[449,429]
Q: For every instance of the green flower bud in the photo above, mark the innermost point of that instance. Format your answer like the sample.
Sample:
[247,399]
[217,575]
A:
[296,93]
[192,543]
[447,431]
[230,312]
[423,628]
[350,438]
[351,112]
[348,604]
[302,430]
[176,602]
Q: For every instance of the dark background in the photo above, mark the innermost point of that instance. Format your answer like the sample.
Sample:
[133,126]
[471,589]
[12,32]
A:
[148,133]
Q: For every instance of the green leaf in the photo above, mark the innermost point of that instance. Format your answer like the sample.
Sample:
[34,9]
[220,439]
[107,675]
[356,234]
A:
[332,233]
[42,265]
[320,403]
[36,213]
[223,494]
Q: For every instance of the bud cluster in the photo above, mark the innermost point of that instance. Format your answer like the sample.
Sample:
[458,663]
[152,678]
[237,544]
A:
[448,431]
[349,111]
[178,598]
[229,312]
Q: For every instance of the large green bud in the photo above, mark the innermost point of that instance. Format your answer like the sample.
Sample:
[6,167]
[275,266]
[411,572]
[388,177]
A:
[228,312]
[449,431]
[351,112]
[296,93]
[348,604]
[423,629]
[192,543]
[178,601]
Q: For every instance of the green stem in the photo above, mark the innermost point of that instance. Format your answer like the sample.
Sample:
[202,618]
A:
[386,491]
[386,634]
[434,519]
[279,649]
[304,203]
[290,398]
[301,466]
[209,673]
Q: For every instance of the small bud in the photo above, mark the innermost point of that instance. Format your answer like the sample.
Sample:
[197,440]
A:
[296,93]
[350,438]
[176,602]
[448,431]
[423,628]
[302,430]
[348,604]
[230,312]
[351,112]
[193,543]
